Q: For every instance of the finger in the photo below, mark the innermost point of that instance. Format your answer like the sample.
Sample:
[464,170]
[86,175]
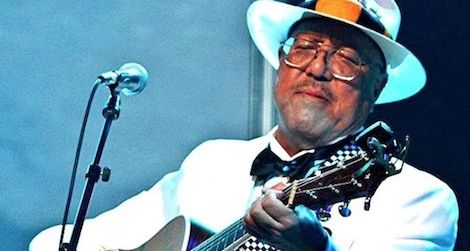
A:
[278,194]
[275,208]
[281,185]
[260,211]
[257,218]
[266,236]
[258,230]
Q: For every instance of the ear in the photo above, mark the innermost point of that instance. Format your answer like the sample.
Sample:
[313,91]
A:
[280,54]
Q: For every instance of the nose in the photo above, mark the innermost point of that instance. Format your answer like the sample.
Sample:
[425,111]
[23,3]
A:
[318,68]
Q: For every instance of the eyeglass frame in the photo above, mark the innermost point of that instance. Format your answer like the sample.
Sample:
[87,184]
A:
[329,53]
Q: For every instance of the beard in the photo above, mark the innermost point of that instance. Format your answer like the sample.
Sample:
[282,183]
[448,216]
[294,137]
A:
[309,122]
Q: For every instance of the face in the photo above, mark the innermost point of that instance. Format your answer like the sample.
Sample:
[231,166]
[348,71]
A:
[315,107]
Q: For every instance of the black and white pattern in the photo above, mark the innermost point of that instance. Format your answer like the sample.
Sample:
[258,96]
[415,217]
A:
[253,244]
[348,151]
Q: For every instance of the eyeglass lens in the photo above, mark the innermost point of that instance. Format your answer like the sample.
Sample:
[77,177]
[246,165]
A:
[342,63]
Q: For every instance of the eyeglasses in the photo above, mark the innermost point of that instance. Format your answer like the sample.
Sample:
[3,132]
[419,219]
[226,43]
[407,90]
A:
[342,63]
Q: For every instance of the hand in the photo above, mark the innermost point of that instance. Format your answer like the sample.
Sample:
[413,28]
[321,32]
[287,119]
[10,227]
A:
[273,222]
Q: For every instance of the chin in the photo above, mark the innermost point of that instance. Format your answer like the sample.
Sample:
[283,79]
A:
[313,127]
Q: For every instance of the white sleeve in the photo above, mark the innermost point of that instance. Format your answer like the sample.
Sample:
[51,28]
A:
[416,213]
[136,220]
[127,226]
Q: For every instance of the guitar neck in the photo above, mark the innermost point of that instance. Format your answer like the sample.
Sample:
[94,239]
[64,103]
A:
[235,234]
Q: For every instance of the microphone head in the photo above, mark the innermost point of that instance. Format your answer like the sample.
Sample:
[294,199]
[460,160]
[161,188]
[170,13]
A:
[132,79]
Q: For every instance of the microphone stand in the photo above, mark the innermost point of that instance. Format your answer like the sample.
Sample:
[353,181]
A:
[110,113]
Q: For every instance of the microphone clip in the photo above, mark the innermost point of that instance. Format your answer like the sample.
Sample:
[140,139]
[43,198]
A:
[113,107]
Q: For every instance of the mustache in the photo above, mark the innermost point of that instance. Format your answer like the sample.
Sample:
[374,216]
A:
[321,88]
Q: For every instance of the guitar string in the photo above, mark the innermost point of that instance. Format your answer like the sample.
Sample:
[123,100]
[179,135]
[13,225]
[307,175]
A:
[324,187]
[340,165]
[309,180]
[216,239]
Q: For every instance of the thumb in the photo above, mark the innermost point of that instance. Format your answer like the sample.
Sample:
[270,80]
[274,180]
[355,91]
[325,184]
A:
[274,194]
[279,187]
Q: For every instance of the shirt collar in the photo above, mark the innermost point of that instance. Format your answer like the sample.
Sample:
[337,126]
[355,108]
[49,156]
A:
[277,149]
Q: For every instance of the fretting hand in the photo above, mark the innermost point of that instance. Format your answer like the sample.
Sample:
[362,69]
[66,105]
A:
[273,222]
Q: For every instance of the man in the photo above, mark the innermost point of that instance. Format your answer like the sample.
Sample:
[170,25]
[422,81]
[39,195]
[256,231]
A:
[335,60]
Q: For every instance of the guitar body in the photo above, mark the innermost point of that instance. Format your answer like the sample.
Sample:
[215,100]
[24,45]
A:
[180,234]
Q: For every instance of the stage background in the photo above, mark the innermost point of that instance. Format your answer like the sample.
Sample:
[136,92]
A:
[437,118]
[198,58]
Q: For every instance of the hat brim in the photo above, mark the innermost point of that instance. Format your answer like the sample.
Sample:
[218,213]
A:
[269,23]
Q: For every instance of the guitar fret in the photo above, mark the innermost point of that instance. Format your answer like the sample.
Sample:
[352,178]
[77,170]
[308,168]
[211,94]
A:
[234,236]
[226,237]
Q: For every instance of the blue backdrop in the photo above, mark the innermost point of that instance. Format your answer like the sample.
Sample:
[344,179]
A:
[198,58]
[197,55]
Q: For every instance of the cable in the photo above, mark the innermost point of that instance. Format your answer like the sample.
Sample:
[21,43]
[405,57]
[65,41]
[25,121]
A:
[77,158]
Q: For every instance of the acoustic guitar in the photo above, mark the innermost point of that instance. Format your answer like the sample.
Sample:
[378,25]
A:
[359,176]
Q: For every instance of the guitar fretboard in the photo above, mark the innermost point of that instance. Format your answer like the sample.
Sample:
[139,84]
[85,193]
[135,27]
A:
[223,239]
[235,238]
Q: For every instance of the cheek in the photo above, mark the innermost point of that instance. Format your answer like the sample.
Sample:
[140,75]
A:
[278,91]
[366,84]
[349,101]
[354,106]
[358,91]
[284,83]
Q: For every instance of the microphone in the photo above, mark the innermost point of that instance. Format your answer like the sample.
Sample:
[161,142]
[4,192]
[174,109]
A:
[130,79]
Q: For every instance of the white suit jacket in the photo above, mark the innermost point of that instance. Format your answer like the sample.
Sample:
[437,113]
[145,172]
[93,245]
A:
[409,211]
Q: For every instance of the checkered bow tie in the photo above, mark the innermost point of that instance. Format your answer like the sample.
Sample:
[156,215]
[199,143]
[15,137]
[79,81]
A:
[267,164]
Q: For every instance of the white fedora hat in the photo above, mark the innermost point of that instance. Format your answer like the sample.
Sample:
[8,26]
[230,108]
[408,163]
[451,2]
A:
[269,23]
